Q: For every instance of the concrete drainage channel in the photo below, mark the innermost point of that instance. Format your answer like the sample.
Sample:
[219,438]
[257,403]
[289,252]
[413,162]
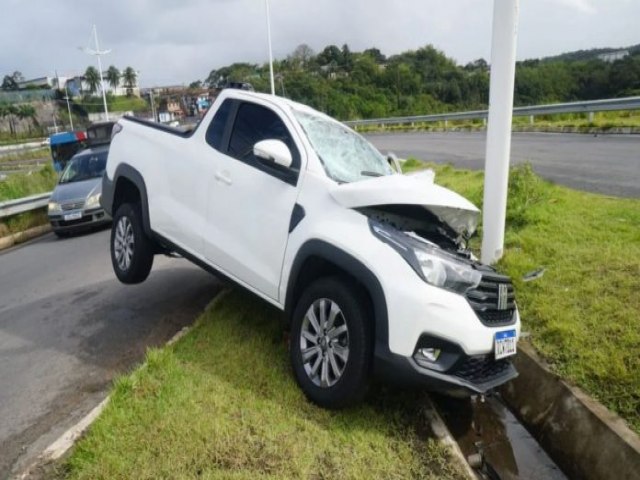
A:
[566,431]
[494,443]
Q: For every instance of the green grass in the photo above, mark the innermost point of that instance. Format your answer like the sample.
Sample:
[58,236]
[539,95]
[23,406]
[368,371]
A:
[222,403]
[115,104]
[23,221]
[584,313]
[579,121]
[20,185]
[35,154]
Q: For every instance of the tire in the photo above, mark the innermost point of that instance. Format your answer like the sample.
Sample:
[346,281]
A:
[131,249]
[61,234]
[327,376]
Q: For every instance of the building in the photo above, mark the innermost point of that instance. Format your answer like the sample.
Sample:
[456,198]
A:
[42,82]
[77,85]
[611,57]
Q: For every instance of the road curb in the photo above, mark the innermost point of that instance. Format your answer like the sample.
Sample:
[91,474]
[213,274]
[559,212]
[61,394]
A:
[21,237]
[582,436]
[442,433]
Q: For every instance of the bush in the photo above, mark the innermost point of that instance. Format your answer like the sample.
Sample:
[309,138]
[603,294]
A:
[526,189]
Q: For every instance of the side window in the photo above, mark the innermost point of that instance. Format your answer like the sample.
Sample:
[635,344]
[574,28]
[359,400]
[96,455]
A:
[215,131]
[254,123]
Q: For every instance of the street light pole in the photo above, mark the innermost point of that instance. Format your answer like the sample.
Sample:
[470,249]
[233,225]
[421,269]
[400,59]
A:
[98,53]
[273,87]
[496,171]
[66,97]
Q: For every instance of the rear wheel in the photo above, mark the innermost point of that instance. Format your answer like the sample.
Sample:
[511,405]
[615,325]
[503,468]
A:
[131,249]
[330,343]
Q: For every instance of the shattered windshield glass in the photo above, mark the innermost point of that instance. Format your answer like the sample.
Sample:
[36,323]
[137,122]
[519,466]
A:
[346,156]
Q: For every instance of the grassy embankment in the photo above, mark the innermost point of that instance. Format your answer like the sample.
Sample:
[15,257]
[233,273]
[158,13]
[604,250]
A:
[222,403]
[584,313]
[32,154]
[22,185]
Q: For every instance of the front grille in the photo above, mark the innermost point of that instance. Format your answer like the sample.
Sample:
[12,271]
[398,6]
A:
[485,301]
[72,205]
[480,370]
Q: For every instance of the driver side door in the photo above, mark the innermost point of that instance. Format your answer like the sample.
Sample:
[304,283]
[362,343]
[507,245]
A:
[250,200]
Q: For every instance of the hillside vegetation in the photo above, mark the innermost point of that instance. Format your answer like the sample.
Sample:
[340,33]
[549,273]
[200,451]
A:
[368,84]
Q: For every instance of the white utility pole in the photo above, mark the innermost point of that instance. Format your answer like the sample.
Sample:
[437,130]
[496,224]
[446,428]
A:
[273,86]
[98,53]
[496,170]
[66,97]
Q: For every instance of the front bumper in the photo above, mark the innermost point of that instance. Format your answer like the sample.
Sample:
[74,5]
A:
[465,375]
[88,218]
[423,316]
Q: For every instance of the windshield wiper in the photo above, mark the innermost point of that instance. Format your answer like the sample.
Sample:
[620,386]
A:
[367,173]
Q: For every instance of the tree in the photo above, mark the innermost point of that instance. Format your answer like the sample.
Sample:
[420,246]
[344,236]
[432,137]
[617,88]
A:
[302,54]
[8,83]
[129,76]
[330,54]
[92,79]
[113,77]
[17,76]
[197,85]
[347,57]
[376,54]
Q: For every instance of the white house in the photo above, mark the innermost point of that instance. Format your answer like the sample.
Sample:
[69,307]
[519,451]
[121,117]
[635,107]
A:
[611,57]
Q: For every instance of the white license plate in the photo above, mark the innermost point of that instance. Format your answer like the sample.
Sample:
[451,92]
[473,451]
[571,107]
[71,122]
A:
[73,216]
[505,344]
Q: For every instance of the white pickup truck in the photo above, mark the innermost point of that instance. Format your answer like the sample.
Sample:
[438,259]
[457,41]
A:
[369,265]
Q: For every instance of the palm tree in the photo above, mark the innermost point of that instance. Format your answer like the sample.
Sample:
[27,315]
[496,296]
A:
[92,77]
[129,76]
[113,77]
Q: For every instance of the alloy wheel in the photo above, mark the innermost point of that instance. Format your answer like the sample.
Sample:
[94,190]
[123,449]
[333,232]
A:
[324,343]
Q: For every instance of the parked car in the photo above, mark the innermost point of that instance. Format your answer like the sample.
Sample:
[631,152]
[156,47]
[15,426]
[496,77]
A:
[75,201]
[370,266]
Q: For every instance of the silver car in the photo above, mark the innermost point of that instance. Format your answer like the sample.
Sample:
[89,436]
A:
[75,202]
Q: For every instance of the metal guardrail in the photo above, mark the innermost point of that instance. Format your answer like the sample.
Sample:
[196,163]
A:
[613,104]
[21,205]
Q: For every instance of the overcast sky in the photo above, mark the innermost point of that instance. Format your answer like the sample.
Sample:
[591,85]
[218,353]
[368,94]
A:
[178,41]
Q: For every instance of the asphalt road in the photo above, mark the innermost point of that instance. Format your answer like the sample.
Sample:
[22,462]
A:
[67,327]
[608,164]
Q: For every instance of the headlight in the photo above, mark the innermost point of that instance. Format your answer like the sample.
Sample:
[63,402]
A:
[93,201]
[434,265]
[54,207]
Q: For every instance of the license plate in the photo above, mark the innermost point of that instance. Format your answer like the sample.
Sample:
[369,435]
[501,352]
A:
[505,344]
[73,216]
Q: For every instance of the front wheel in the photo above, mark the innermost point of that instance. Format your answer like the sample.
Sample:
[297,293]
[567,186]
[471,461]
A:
[131,249]
[331,343]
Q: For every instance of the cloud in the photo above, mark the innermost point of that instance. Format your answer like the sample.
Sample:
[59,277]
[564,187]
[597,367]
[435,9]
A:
[583,6]
[173,42]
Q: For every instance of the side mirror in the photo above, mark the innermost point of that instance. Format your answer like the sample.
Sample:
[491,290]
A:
[275,151]
[394,162]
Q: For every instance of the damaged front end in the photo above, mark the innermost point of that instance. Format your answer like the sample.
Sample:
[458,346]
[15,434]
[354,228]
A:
[429,226]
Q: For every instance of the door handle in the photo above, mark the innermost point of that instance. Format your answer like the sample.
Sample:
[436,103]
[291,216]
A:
[222,177]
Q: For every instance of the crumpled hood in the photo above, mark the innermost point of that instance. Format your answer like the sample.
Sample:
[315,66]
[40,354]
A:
[413,189]
[76,190]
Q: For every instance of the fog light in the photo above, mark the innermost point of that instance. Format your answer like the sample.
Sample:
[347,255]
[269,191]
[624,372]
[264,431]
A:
[428,354]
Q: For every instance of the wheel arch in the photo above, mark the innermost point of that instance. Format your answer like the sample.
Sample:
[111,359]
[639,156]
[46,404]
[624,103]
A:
[317,258]
[127,186]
